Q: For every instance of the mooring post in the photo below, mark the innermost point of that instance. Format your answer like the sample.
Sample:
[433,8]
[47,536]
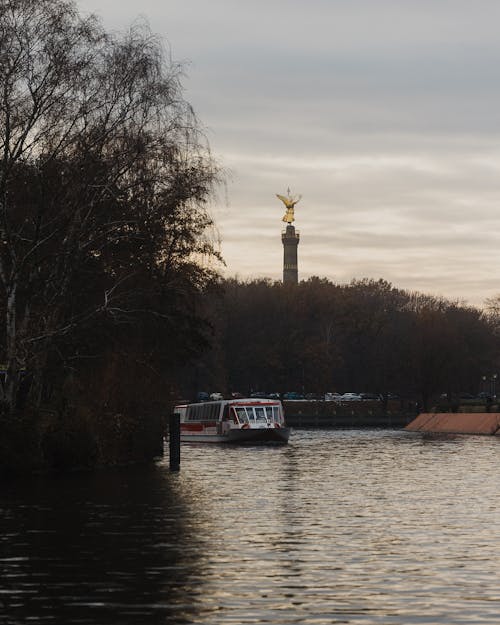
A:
[174,439]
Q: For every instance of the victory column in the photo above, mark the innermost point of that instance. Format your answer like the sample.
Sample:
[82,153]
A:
[290,239]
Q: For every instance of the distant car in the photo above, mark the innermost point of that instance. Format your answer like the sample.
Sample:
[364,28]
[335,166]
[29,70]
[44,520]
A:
[370,396]
[293,395]
[350,397]
[202,396]
[466,396]
[216,396]
[236,396]
[273,395]
[484,395]
[333,397]
[313,396]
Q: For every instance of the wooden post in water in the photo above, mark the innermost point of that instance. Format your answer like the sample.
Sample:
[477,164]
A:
[174,439]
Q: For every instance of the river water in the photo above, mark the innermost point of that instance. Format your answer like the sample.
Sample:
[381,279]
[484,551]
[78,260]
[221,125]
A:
[358,527]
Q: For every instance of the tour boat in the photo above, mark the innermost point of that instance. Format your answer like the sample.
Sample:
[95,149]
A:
[241,421]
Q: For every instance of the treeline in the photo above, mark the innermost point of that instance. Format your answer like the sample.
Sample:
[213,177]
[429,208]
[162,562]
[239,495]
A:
[367,336]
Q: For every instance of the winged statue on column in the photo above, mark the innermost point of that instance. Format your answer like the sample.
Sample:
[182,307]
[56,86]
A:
[289,201]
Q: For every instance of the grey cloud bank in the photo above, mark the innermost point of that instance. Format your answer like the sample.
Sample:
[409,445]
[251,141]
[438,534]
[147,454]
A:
[385,115]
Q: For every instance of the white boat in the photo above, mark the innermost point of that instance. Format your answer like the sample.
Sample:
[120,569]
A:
[242,421]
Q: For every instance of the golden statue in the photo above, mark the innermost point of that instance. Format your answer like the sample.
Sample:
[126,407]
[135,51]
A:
[289,201]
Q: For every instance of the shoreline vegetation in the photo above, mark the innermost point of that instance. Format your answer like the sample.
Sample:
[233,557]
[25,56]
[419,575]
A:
[112,302]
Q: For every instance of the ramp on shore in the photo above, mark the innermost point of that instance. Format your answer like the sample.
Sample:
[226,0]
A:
[456,423]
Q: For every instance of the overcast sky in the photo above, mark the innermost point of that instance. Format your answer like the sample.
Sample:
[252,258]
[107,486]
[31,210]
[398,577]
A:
[383,114]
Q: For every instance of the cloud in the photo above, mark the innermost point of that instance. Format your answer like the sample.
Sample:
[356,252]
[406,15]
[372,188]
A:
[384,115]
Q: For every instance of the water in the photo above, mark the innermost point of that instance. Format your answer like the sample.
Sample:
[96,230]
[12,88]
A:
[351,527]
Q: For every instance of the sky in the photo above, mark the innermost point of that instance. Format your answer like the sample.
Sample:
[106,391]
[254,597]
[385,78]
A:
[383,114]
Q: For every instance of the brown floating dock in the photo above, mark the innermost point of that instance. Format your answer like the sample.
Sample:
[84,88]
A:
[456,423]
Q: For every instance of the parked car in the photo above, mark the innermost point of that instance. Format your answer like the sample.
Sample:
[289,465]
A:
[466,396]
[370,396]
[216,396]
[351,397]
[202,396]
[333,397]
[293,395]
[484,395]
[313,396]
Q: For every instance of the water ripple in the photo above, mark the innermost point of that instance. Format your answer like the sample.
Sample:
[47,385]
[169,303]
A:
[337,527]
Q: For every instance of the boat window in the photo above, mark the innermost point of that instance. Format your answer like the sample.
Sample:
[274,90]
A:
[203,412]
[250,413]
[242,415]
[260,414]
[271,413]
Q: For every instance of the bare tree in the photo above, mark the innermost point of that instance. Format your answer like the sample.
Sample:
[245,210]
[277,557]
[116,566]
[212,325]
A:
[104,178]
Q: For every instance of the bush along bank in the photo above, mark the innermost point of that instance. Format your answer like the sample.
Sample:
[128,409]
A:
[77,439]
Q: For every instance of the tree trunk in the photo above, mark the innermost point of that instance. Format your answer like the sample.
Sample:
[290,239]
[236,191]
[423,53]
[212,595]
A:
[13,373]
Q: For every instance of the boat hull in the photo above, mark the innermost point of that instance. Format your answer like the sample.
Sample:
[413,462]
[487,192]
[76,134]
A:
[276,436]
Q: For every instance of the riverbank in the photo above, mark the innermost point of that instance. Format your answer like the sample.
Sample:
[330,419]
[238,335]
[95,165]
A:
[62,441]
[356,414]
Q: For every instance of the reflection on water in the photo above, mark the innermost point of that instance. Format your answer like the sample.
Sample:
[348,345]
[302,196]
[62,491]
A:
[107,548]
[337,527]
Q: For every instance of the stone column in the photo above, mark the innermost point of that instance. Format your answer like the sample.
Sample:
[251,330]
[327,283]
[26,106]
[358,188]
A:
[290,239]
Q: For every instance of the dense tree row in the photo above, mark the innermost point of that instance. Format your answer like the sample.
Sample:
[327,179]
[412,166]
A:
[366,336]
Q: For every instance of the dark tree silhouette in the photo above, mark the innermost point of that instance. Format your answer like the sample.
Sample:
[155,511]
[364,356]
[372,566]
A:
[105,180]
[367,336]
